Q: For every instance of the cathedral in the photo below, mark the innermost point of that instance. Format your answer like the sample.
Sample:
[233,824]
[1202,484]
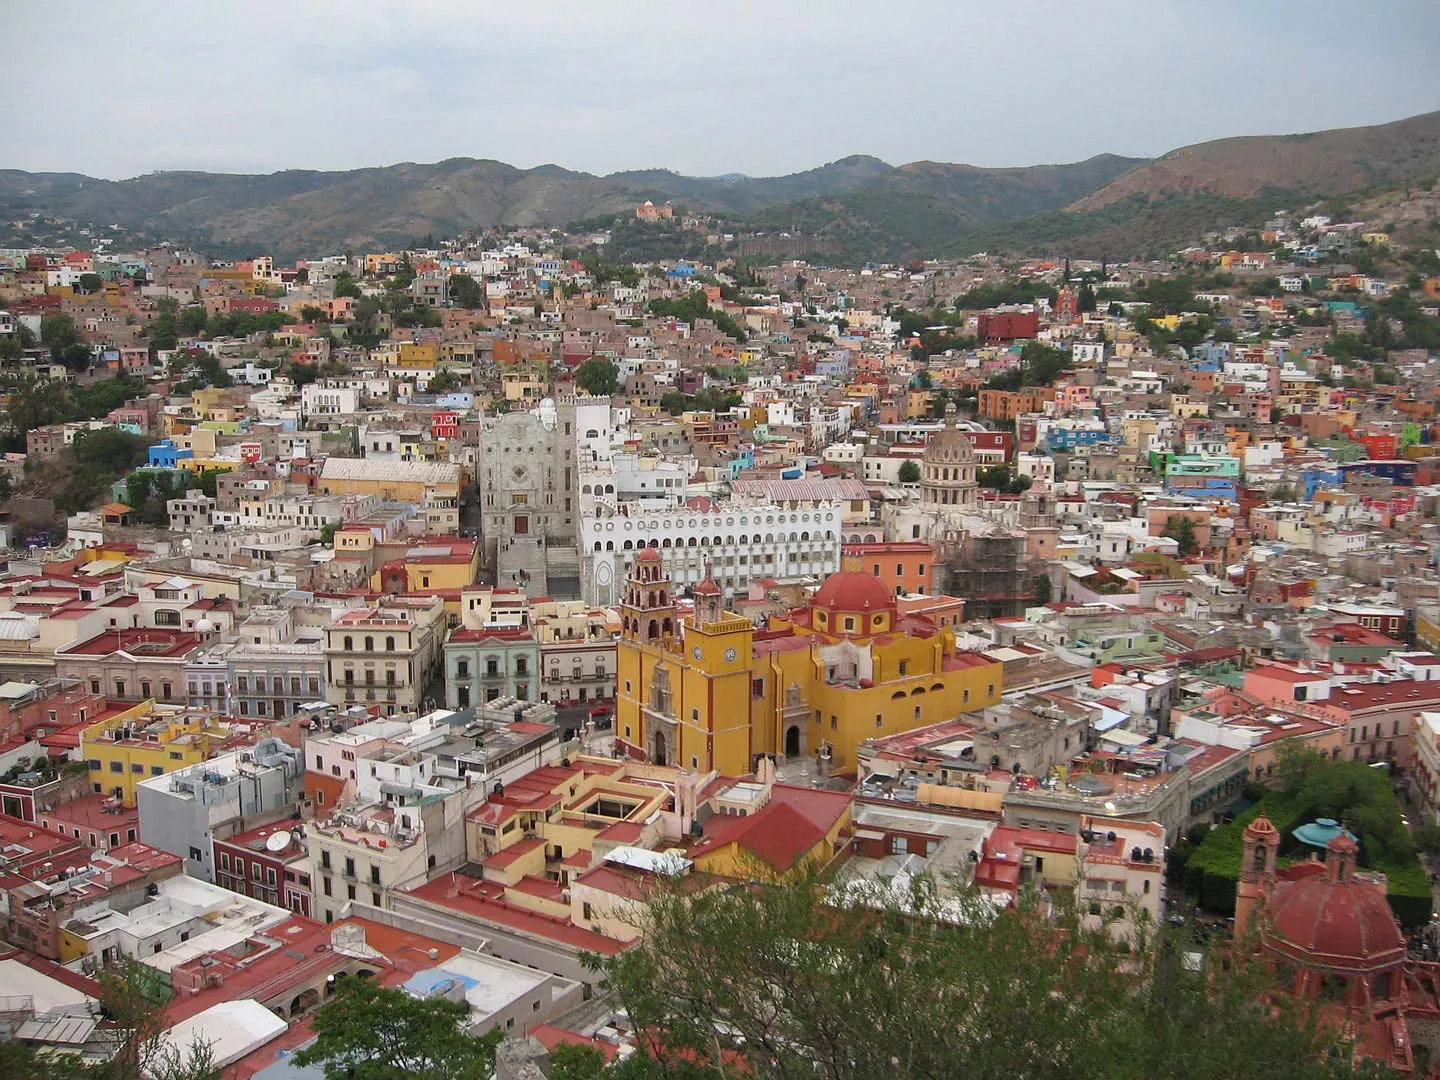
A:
[1328,930]
[708,690]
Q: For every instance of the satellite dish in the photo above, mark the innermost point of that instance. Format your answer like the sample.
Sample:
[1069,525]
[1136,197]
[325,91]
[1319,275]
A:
[277,841]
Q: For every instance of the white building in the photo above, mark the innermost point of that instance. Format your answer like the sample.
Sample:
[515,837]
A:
[1121,870]
[744,544]
[323,398]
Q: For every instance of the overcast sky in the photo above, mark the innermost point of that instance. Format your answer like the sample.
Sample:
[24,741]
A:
[116,89]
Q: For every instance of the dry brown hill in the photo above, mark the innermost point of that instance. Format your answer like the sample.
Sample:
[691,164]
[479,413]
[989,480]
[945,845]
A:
[1318,164]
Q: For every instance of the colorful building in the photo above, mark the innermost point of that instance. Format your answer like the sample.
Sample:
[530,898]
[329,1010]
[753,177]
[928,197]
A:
[146,740]
[709,691]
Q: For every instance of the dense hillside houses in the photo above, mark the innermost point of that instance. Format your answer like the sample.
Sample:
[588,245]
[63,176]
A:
[419,613]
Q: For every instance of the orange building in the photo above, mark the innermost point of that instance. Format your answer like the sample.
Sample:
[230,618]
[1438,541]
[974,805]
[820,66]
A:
[904,568]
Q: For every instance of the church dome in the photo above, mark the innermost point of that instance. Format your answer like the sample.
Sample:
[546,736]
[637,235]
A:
[1335,921]
[850,590]
[648,554]
[950,445]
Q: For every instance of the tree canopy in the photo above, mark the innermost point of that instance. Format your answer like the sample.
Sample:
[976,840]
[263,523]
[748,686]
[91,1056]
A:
[370,1032]
[598,376]
[1182,530]
[466,292]
[774,981]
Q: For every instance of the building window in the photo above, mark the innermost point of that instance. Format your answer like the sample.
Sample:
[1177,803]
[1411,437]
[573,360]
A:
[325,886]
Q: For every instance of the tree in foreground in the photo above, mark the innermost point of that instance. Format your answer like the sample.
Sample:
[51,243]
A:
[774,981]
[370,1032]
[134,1022]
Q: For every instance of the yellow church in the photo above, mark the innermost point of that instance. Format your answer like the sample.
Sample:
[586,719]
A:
[711,691]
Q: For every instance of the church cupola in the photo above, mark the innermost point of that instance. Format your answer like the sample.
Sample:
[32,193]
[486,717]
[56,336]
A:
[647,613]
[709,599]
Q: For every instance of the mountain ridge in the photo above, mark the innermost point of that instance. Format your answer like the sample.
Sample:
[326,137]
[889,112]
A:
[857,206]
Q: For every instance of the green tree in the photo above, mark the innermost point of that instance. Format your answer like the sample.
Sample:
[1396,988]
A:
[163,329]
[1085,301]
[345,285]
[108,448]
[89,283]
[909,472]
[192,322]
[773,981]
[466,292]
[442,382]
[1182,530]
[1043,589]
[370,1032]
[58,332]
[598,376]
[572,1061]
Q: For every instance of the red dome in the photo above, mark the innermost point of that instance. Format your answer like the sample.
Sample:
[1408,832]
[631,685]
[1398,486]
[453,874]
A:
[648,554]
[1334,924]
[850,590]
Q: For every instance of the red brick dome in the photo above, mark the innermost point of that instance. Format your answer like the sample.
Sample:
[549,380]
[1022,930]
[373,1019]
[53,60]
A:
[1342,925]
[850,590]
[648,554]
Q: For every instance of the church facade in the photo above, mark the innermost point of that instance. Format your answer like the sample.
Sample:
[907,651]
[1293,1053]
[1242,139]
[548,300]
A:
[708,690]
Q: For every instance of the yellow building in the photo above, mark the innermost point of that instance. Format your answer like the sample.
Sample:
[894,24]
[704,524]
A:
[418,355]
[144,741]
[711,692]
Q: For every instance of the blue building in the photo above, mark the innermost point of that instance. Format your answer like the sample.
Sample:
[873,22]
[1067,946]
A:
[1398,471]
[1320,478]
[1059,440]
[166,455]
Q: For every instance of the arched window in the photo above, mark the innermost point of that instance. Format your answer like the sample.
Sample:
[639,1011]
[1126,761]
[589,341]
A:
[897,695]
[349,643]
[917,691]
[369,643]
[597,545]
[628,545]
[585,490]
[609,489]
[939,686]
[653,631]
[389,644]
[691,543]
[804,536]
[666,543]
[609,545]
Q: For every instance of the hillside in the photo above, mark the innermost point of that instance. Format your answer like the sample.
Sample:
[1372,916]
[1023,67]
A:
[303,211]
[855,208]
[1318,165]
[928,207]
